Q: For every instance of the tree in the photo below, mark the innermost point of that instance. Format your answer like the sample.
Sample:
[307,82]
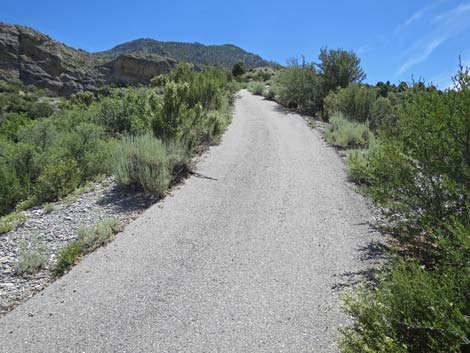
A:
[338,68]
[238,69]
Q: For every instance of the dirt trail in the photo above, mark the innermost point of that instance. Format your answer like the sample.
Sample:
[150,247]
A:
[246,256]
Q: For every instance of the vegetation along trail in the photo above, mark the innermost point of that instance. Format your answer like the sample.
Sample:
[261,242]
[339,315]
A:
[246,256]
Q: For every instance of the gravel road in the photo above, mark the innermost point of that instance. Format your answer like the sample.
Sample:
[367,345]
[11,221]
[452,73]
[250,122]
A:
[248,255]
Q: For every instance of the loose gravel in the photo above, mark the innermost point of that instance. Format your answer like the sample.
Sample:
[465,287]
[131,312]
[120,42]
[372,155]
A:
[55,229]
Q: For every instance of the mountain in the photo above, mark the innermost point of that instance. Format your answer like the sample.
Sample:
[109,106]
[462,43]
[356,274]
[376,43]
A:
[223,55]
[35,58]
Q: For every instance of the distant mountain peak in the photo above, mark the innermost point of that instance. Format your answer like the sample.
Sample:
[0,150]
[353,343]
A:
[225,55]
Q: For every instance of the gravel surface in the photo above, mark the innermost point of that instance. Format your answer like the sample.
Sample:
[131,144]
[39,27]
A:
[249,255]
[55,229]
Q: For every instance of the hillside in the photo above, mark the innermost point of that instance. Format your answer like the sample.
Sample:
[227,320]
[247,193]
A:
[223,55]
[35,58]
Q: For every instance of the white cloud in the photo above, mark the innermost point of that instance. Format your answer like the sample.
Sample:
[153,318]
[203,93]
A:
[421,54]
[417,16]
[453,14]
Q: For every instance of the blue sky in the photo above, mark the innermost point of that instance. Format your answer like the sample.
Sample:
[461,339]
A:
[396,40]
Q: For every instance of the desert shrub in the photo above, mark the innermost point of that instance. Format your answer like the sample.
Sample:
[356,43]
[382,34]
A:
[142,162]
[11,191]
[205,88]
[299,87]
[67,257]
[238,69]
[263,76]
[85,98]
[48,208]
[11,124]
[11,222]
[170,110]
[57,179]
[422,173]
[337,69]
[91,238]
[271,92]
[359,167]
[159,81]
[31,257]
[125,112]
[256,88]
[345,133]
[44,158]
[359,103]
[88,239]
[413,309]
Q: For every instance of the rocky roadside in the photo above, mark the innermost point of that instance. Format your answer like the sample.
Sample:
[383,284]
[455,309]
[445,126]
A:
[54,227]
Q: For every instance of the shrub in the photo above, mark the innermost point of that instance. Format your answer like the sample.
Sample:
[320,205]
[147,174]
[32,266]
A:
[10,189]
[359,166]
[126,112]
[31,257]
[338,68]
[67,257]
[11,222]
[270,93]
[345,133]
[159,81]
[91,238]
[411,310]
[142,162]
[256,88]
[422,173]
[299,87]
[48,208]
[88,240]
[359,103]
[238,69]
[170,111]
[58,178]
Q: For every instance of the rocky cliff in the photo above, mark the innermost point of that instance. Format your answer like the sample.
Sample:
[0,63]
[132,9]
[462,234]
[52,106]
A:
[35,58]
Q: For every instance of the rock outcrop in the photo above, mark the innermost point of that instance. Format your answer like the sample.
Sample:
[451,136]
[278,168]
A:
[137,68]
[35,58]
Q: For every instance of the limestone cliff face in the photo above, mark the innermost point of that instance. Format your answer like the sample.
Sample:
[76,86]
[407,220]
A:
[137,68]
[34,58]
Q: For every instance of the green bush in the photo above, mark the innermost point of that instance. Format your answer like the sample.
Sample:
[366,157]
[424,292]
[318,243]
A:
[171,110]
[11,222]
[31,257]
[125,112]
[48,208]
[256,88]
[419,170]
[359,103]
[88,240]
[142,162]
[411,310]
[337,69]
[271,92]
[91,238]
[299,87]
[67,257]
[422,171]
[345,133]
[359,166]
[57,179]
[238,69]
[43,157]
